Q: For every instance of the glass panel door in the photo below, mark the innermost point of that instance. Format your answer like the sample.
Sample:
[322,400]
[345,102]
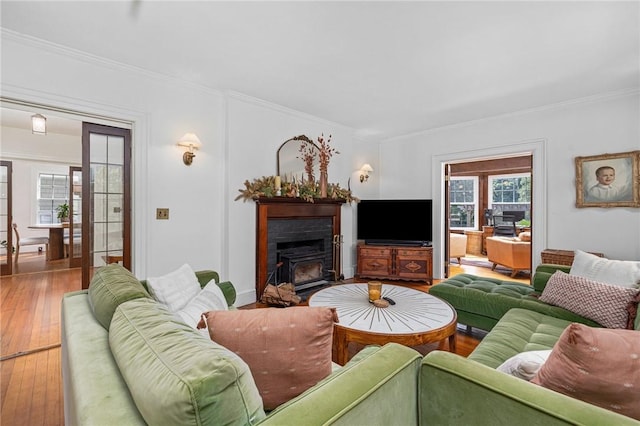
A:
[6,234]
[73,241]
[106,214]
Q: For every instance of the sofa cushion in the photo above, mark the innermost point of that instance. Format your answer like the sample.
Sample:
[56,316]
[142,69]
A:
[596,365]
[603,303]
[519,330]
[177,376]
[618,272]
[288,350]
[110,286]
[176,288]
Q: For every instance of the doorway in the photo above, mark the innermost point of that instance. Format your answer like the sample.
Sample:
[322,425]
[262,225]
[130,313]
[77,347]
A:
[490,198]
[535,149]
[59,149]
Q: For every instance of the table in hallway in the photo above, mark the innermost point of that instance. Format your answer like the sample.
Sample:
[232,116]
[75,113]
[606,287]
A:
[416,318]
[56,238]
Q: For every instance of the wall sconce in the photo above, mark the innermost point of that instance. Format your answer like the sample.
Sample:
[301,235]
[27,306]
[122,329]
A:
[38,124]
[364,172]
[191,141]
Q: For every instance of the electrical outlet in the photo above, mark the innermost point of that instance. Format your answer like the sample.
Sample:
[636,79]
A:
[162,214]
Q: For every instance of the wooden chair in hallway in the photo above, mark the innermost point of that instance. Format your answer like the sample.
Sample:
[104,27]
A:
[29,241]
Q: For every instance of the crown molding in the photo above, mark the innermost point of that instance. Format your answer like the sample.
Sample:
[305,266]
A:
[89,58]
[230,94]
[602,97]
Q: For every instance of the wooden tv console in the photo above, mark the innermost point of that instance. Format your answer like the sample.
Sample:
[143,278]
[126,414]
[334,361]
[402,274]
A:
[395,262]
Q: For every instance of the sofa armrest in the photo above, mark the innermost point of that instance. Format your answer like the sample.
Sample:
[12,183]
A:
[380,389]
[456,390]
[207,275]
[544,272]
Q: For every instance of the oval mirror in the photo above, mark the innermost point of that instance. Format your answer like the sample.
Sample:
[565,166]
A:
[289,163]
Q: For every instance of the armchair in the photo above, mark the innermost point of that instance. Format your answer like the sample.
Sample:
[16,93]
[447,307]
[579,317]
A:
[509,252]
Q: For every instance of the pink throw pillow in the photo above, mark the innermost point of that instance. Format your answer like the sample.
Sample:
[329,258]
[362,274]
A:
[287,350]
[596,365]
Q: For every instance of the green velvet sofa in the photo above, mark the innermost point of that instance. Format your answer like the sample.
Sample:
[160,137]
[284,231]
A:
[181,377]
[481,302]
[454,390]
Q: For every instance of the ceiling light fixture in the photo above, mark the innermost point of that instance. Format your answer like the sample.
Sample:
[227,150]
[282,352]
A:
[38,124]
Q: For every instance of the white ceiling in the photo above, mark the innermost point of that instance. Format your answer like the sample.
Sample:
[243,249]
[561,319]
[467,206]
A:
[383,68]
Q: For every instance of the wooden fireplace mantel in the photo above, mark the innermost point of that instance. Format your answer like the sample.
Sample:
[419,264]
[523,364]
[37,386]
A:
[287,208]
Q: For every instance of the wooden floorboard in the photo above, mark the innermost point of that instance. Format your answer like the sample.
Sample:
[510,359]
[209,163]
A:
[30,373]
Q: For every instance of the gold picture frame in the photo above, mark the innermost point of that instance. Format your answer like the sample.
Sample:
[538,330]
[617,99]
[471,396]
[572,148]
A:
[608,180]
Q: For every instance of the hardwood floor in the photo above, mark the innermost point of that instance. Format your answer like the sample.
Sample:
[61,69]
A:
[31,387]
[31,383]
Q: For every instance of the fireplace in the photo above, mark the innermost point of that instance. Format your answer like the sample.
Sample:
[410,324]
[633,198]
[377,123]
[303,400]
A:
[303,268]
[298,235]
[303,247]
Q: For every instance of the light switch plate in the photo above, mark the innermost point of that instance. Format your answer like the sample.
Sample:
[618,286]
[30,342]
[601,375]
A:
[162,214]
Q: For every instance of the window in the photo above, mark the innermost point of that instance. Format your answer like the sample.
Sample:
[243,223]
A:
[53,190]
[511,193]
[463,202]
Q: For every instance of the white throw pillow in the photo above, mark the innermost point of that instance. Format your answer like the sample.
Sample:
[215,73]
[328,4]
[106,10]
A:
[625,273]
[210,298]
[175,289]
[525,365]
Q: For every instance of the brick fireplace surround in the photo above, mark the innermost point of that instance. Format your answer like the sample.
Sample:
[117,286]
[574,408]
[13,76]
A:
[320,219]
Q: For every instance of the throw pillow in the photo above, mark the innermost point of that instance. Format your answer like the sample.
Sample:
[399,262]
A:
[210,298]
[602,303]
[175,375]
[176,288]
[596,365]
[110,286]
[288,350]
[525,365]
[618,272]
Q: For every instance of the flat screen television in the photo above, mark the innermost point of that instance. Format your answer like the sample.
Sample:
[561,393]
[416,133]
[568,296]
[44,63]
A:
[395,222]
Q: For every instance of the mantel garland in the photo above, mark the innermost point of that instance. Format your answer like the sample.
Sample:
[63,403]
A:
[308,191]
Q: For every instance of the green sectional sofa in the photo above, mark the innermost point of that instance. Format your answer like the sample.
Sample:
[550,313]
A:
[127,360]
[481,302]
[470,391]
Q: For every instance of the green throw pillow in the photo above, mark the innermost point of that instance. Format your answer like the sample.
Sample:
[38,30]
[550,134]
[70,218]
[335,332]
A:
[112,285]
[175,374]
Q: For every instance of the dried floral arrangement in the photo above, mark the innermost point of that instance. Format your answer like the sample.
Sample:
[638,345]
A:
[308,154]
[308,191]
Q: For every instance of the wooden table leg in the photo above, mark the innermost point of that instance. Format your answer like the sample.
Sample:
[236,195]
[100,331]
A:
[340,346]
[56,243]
[452,343]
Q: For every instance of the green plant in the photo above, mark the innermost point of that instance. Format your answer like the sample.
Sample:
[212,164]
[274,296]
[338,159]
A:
[63,211]
[524,222]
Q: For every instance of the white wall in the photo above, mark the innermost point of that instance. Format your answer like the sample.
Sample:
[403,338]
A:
[591,127]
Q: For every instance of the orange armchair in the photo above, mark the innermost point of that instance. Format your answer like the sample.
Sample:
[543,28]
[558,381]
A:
[509,252]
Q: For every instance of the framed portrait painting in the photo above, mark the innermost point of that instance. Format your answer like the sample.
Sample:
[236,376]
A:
[608,180]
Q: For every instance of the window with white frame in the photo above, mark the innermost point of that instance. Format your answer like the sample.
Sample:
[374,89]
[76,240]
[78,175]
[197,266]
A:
[463,202]
[511,192]
[53,190]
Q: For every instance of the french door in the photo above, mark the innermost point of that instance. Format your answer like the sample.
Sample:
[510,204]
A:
[106,198]
[6,231]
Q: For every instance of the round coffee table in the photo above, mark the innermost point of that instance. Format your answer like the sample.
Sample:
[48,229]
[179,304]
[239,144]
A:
[416,318]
